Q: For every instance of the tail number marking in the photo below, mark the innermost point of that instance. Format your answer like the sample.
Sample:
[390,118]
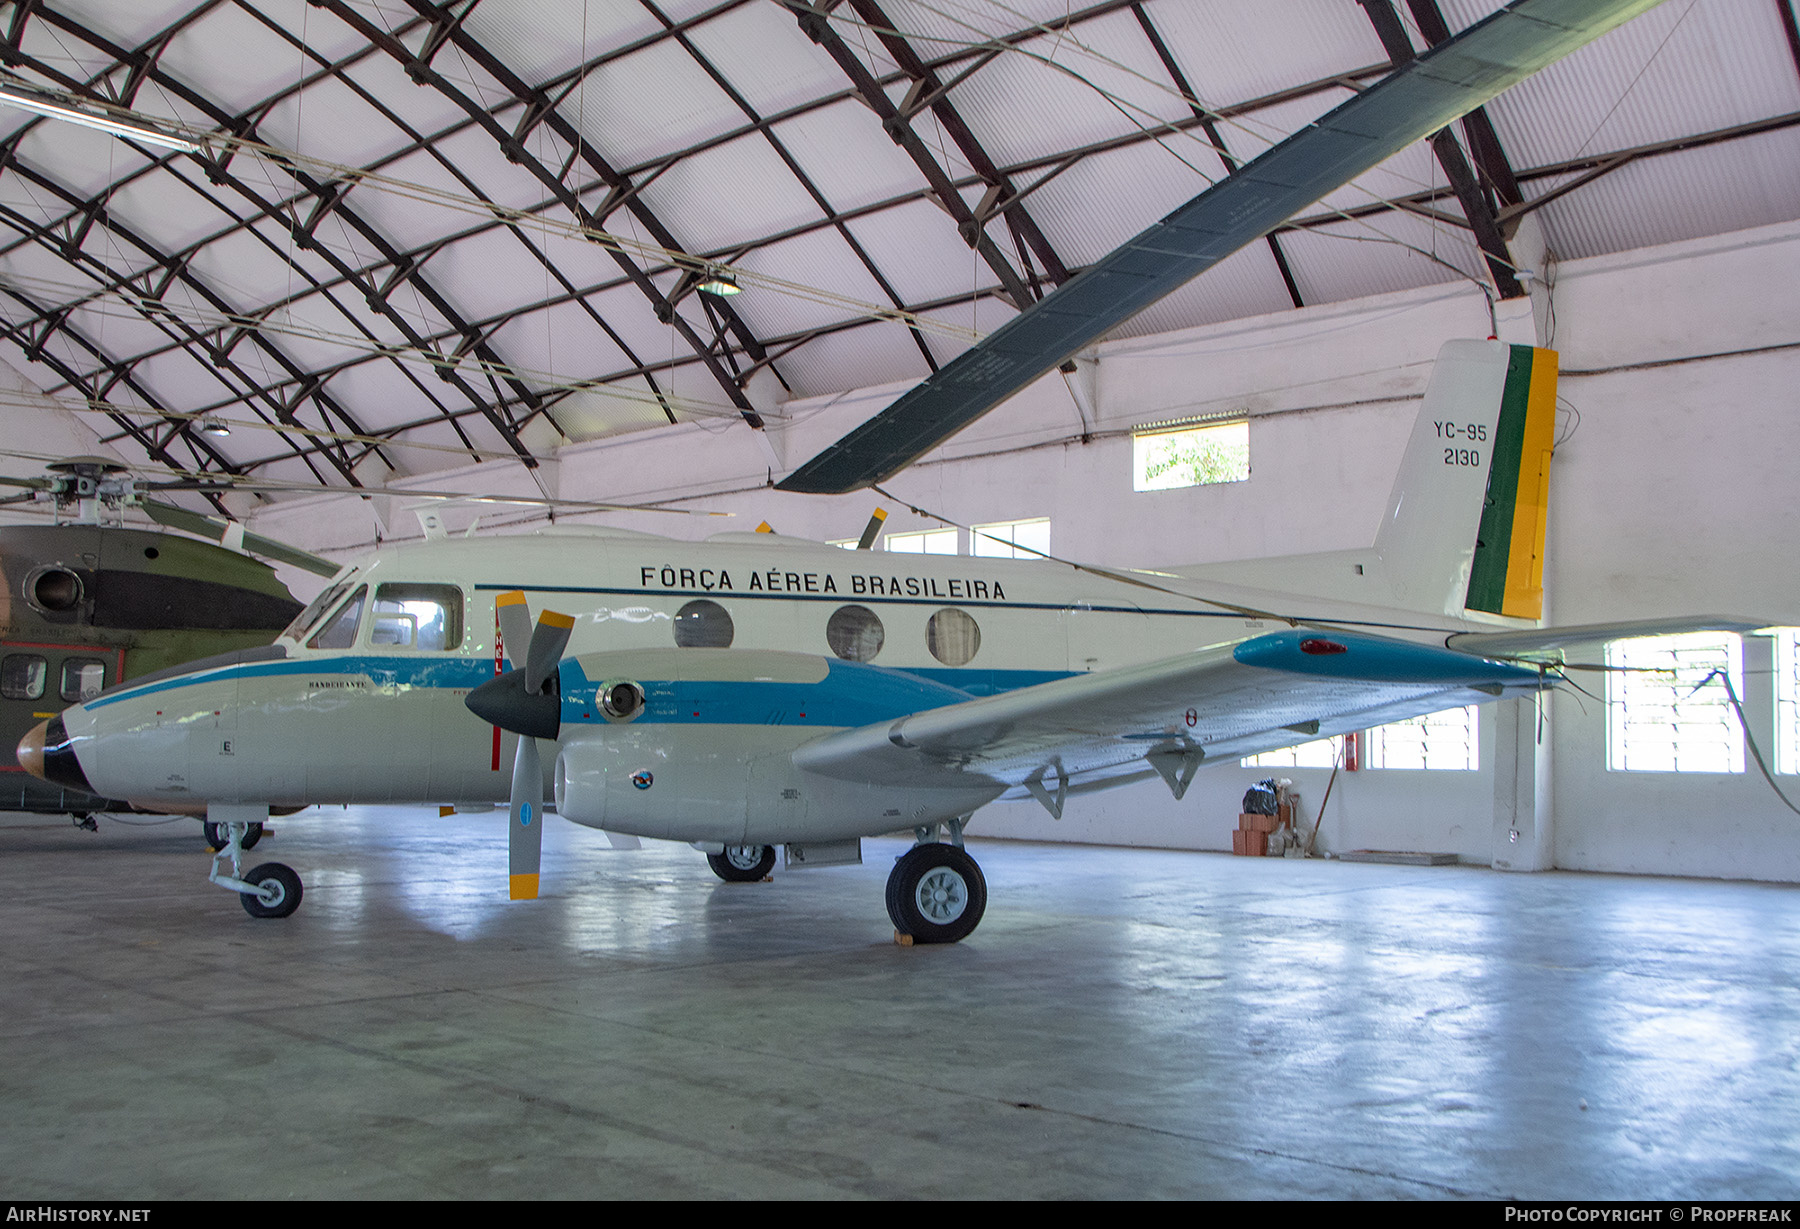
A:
[1462,456]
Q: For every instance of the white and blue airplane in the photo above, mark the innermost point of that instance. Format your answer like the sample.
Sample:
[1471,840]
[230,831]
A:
[753,690]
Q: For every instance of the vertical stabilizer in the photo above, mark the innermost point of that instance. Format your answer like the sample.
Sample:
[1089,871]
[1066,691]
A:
[1465,524]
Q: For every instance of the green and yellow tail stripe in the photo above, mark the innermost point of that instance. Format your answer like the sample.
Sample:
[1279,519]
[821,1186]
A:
[1508,576]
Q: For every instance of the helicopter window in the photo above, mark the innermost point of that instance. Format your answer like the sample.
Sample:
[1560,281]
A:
[855,633]
[418,617]
[83,678]
[306,618]
[340,632]
[22,676]
[703,625]
[953,636]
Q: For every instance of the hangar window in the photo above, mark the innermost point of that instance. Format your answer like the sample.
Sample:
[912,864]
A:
[23,675]
[1667,709]
[1448,741]
[953,636]
[418,617]
[855,633]
[1193,456]
[1319,753]
[339,631]
[924,542]
[1787,700]
[703,625]
[83,678]
[1013,539]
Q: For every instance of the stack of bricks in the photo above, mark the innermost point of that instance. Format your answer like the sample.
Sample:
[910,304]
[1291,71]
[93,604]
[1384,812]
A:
[1251,840]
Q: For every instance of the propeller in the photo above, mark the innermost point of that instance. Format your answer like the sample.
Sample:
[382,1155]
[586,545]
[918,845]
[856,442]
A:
[525,701]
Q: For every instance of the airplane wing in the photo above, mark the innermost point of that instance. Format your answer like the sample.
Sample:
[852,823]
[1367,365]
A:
[1547,643]
[1166,716]
[1414,101]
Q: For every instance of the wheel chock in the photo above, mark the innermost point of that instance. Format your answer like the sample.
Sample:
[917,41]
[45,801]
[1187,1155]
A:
[902,939]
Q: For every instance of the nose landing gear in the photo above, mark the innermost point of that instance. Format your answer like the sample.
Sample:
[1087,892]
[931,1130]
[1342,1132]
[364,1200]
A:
[269,890]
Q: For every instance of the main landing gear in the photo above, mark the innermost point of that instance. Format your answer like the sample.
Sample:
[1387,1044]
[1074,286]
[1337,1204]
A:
[742,863]
[269,890]
[936,893]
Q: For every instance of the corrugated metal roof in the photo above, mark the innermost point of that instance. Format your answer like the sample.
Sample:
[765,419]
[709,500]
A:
[545,108]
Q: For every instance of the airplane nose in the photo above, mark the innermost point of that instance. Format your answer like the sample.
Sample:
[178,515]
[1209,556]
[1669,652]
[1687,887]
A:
[31,750]
[47,752]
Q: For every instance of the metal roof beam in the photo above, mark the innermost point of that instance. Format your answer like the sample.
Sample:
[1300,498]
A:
[1476,208]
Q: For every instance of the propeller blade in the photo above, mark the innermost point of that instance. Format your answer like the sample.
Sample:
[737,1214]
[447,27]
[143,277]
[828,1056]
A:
[525,822]
[514,614]
[548,639]
[872,530]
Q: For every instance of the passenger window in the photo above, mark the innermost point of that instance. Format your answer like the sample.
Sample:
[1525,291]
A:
[340,631]
[425,617]
[855,633]
[703,625]
[953,636]
[22,676]
[83,678]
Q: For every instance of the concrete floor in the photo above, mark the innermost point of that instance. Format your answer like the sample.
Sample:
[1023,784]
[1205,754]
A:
[1125,1023]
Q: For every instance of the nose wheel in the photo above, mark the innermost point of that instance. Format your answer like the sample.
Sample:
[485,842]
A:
[936,893]
[269,890]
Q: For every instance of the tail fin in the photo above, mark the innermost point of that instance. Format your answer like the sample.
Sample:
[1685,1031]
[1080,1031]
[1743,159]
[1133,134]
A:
[1466,522]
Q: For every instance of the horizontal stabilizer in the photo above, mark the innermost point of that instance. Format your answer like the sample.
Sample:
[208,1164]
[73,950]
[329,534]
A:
[1549,641]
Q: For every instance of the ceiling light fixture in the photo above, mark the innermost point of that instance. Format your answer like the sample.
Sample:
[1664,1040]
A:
[214,428]
[11,97]
[718,280]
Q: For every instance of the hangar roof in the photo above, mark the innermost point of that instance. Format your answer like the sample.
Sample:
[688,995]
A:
[408,233]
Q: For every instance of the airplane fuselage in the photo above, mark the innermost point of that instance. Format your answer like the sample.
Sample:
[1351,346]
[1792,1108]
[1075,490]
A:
[819,639]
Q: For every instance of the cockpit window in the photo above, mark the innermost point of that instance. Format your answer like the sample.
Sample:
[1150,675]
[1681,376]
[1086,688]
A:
[340,632]
[319,605]
[413,616]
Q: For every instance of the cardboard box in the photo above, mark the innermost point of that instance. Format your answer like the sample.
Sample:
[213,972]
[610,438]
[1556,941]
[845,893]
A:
[1259,823]
[1250,844]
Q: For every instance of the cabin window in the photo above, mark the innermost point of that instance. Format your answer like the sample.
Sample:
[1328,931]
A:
[304,621]
[1195,456]
[425,617]
[340,631]
[83,678]
[1013,539]
[855,633]
[703,625]
[1667,708]
[953,636]
[22,676]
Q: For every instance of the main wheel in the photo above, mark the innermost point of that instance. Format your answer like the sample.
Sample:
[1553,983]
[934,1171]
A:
[742,863]
[216,839]
[282,887]
[936,894]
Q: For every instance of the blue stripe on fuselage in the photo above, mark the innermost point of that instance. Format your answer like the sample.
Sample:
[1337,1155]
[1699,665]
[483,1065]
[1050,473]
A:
[927,688]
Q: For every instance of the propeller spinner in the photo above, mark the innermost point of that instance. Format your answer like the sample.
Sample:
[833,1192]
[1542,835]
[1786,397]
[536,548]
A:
[525,701]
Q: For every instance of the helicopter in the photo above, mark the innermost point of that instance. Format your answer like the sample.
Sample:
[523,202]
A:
[87,602]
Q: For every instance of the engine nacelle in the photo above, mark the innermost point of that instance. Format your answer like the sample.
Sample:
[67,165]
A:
[694,784]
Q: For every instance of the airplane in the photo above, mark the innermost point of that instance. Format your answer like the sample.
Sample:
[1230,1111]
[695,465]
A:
[750,690]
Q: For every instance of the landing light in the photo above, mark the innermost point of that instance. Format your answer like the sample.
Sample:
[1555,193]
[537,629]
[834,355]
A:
[1322,648]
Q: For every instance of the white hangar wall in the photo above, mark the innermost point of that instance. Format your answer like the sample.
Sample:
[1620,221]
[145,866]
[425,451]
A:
[1675,494]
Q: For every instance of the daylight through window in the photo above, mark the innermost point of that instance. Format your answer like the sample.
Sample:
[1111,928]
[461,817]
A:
[1665,710]
[1196,456]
